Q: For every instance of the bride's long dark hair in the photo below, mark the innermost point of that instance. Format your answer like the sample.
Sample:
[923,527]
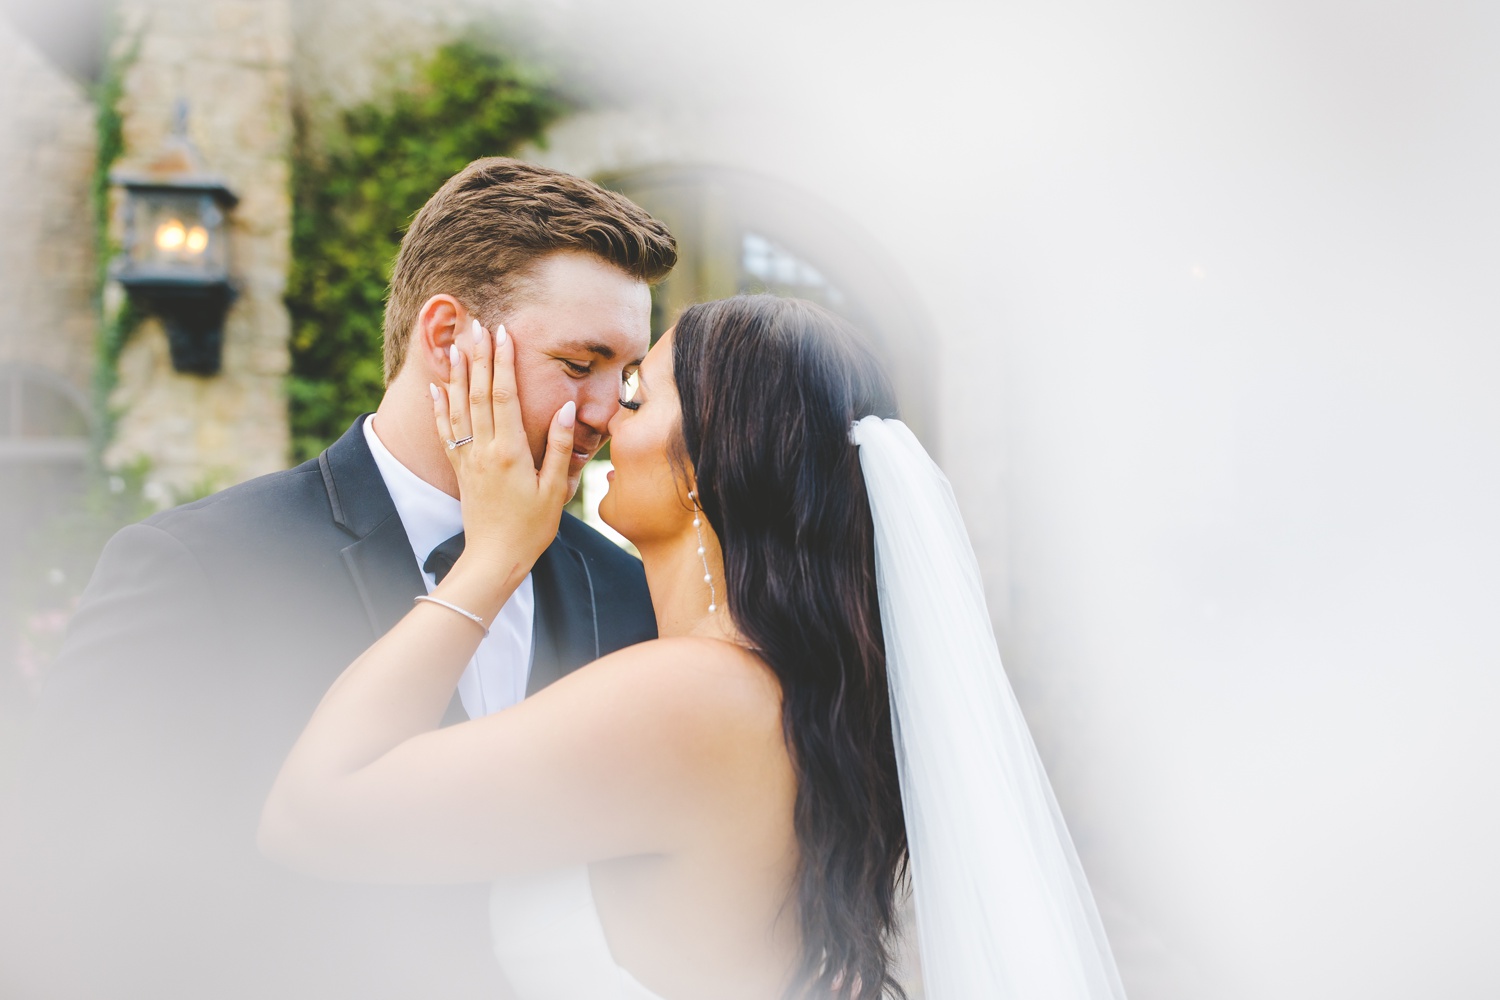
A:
[769,390]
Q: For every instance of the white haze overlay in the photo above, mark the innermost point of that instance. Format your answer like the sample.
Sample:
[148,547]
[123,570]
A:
[1214,294]
[1210,296]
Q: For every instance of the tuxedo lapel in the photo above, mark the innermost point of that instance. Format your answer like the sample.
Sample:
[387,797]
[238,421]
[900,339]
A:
[565,633]
[379,559]
[385,574]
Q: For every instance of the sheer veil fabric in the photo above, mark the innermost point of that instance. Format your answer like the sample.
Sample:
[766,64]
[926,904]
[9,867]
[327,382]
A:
[1002,905]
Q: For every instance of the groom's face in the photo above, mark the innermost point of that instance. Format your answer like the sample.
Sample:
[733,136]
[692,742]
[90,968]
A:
[581,327]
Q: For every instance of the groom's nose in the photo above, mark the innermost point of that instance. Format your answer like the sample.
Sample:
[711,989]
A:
[597,404]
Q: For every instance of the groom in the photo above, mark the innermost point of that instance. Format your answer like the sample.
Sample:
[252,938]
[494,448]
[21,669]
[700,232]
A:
[209,633]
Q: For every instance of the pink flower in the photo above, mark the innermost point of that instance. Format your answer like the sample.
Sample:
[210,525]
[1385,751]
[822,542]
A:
[40,642]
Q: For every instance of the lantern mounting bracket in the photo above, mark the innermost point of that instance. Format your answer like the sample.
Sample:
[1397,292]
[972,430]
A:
[192,313]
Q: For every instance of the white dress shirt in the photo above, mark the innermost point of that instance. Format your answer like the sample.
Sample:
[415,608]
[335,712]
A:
[496,676]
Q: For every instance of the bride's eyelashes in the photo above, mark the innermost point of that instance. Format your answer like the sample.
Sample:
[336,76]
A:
[629,388]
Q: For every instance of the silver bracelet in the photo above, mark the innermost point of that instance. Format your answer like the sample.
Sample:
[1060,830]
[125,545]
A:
[454,607]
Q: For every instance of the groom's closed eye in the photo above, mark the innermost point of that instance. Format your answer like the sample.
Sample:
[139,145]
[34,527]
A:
[584,354]
[582,368]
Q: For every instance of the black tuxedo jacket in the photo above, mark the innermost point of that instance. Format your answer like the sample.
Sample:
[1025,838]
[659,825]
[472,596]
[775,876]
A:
[204,641]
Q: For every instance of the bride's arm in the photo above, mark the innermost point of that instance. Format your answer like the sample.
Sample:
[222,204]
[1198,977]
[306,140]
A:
[641,753]
[373,790]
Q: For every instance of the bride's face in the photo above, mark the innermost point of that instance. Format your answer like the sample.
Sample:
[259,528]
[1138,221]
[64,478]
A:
[647,501]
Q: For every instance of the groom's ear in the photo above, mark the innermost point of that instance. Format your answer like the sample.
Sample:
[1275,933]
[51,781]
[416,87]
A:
[438,322]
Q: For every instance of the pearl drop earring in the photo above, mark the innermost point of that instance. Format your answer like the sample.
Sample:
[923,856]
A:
[708,578]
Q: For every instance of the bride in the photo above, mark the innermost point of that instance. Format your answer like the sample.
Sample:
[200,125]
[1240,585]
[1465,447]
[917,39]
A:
[728,811]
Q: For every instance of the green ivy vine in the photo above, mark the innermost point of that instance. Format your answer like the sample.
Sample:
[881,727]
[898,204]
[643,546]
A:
[354,192]
[116,323]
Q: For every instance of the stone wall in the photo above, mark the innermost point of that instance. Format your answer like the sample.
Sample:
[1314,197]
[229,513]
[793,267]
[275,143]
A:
[47,264]
[230,60]
[347,51]
[249,69]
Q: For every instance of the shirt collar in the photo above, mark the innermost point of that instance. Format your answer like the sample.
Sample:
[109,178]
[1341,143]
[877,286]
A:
[429,515]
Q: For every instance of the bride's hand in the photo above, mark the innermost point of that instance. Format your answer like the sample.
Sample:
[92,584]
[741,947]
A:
[510,508]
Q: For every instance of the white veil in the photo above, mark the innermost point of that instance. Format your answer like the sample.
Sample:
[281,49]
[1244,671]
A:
[1003,908]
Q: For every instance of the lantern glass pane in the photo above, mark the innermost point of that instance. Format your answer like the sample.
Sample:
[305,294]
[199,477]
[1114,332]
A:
[177,233]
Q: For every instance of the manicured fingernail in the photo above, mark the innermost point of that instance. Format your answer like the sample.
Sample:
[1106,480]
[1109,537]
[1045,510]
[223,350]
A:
[453,354]
[565,415]
[478,332]
[499,334]
[434,390]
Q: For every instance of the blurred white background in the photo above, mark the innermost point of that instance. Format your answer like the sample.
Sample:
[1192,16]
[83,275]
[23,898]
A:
[1214,291]
[1216,363]
[1209,298]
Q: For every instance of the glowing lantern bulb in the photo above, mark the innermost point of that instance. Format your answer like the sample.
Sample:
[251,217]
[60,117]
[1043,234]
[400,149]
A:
[197,239]
[170,235]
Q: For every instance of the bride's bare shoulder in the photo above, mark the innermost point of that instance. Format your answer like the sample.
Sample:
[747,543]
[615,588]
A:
[709,679]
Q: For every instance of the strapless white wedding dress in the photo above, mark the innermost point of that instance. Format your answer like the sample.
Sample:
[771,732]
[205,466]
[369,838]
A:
[550,942]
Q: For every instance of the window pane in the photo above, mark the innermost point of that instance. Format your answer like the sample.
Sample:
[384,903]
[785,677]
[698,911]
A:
[46,412]
[32,495]
[767,267]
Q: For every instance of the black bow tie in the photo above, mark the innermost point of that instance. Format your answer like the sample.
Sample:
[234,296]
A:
[444,556]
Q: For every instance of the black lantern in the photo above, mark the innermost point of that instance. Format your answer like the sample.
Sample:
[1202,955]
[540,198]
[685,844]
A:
[175,261]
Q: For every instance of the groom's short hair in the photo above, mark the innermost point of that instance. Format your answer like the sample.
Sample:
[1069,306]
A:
[479,236]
